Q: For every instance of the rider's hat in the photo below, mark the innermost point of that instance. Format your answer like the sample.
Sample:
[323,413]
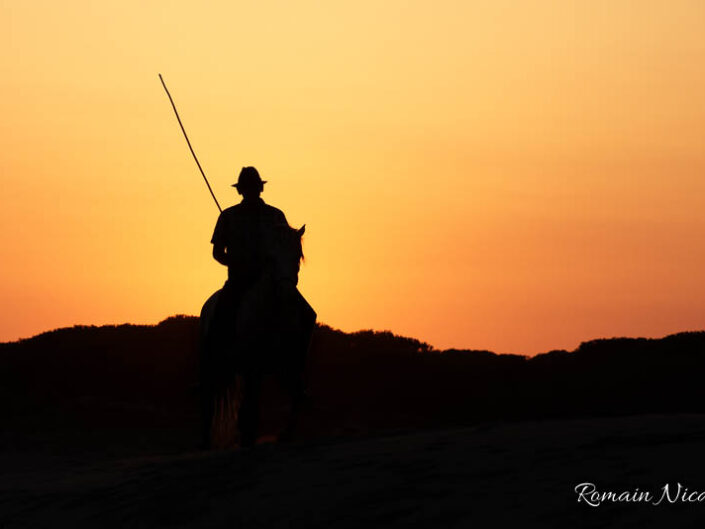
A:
[248,177]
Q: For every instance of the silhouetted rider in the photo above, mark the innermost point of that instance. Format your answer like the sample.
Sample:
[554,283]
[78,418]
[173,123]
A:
[237,239]
[238,244]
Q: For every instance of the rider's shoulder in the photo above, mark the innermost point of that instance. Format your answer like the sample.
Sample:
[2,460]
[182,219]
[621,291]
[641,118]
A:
[240,210]
[232,211]
[274,213]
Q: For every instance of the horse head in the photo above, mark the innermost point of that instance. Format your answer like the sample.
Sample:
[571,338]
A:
[284,252]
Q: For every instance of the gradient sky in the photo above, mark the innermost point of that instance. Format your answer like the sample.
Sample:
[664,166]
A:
[517,176]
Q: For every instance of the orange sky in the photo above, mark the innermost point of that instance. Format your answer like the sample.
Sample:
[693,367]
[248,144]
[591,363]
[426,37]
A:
[517,176]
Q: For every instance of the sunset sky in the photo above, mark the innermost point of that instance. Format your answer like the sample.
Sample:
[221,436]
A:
[515,176]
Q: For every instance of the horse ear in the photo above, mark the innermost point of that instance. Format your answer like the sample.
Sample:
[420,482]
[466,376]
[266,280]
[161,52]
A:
[301,230]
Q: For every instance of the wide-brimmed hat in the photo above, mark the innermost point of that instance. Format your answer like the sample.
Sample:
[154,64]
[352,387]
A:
[248,177]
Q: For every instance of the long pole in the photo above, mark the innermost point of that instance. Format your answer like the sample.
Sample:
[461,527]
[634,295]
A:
[188,142]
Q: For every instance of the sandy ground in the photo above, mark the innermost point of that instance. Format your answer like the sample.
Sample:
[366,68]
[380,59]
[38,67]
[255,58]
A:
[496,475]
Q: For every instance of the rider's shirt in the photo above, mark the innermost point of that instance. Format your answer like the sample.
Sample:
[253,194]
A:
[240,229]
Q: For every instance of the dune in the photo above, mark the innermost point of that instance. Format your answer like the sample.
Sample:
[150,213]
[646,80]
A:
[522,473]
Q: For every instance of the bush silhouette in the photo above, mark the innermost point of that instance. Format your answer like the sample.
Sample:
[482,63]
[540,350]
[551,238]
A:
[129,376]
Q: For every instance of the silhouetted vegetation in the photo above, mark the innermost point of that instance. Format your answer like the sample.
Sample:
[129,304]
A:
[129,376]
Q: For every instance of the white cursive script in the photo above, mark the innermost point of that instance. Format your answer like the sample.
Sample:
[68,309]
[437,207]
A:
[588,494]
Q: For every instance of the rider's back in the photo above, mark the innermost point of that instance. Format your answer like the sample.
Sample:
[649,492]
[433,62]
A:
[240,228]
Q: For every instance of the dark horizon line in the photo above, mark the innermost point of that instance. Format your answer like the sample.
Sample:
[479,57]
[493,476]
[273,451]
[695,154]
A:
[431,348]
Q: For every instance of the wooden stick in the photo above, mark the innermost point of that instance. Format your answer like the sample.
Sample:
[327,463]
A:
[189,143]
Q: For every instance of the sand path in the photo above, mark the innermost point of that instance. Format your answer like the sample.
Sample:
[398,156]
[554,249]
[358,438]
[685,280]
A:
[498,475]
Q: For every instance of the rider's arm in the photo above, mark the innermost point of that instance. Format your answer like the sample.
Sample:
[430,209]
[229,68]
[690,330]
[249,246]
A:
[219,239]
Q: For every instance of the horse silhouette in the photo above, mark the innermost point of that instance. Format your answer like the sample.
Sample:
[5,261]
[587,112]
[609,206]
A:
[267,332]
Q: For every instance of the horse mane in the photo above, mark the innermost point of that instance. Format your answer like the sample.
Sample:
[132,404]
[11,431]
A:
[301,245]
[292,231]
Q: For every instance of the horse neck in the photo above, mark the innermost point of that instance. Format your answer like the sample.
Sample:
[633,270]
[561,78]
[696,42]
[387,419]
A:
[285,257]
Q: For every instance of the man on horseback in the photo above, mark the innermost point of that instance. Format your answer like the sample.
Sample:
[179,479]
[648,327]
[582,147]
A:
[237,240]
[238,243]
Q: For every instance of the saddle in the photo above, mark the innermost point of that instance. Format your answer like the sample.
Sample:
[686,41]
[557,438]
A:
[264,327]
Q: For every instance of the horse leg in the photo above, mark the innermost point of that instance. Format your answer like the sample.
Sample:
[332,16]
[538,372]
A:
[207,398]
[293,383]
[248,414]
[214,401]
[214,384]
[294,376]
[206,392]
